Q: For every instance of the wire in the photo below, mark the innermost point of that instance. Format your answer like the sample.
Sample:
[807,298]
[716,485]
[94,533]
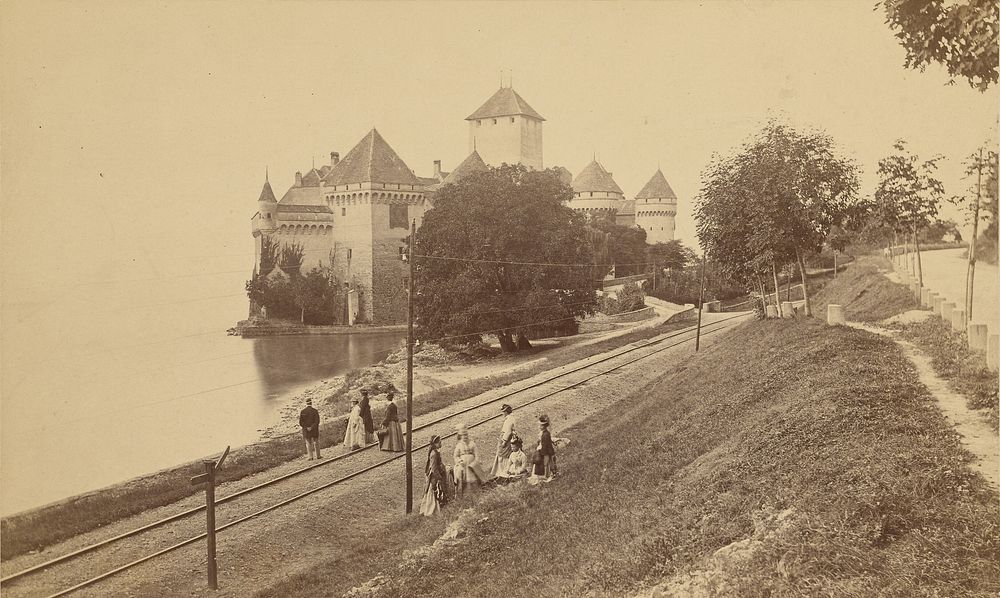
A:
[562,264]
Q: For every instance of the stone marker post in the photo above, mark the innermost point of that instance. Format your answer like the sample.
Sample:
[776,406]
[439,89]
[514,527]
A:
[947,309]
[958,320]
[992,350]
[787,310]
[835,315]
[977,337]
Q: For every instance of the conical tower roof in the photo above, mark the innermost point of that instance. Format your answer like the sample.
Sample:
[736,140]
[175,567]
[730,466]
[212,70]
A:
[266,194]
[657,188]
[473,163]
[505,102]
[371,160]
[595,178]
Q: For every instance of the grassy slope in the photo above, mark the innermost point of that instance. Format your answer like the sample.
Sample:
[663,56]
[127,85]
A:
[827,422]
[865,294]
[45,526]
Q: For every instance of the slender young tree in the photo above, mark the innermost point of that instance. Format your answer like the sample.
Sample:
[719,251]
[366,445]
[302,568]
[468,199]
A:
[976,166]
[908,195]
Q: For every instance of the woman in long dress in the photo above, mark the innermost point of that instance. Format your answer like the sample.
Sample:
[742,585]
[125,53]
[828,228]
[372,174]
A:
[434,495]
[391,436]
[354,437]
[467,460]
[501,460]
[366,418]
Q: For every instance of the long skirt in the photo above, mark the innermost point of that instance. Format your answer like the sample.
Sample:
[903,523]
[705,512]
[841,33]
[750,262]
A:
[431,503]
[355,435]
[391,439]
[469,473]
[502,460]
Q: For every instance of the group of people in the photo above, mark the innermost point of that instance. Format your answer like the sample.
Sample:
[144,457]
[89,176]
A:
[360,426]
[510,464]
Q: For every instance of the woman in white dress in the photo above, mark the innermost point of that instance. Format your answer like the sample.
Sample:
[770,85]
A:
[500,462]
[466,460]
[354,437]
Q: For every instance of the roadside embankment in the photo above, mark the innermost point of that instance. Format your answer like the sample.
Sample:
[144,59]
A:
[789,458]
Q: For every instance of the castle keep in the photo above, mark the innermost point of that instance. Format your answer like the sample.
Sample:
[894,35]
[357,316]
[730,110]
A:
[353,214]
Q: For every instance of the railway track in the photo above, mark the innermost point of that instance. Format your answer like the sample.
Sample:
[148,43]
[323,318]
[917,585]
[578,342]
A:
[183,523]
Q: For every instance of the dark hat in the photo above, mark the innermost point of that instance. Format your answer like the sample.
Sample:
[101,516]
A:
[364,392]
[544,419]
[506,408]
[435,439]
[309,401]
[516,441]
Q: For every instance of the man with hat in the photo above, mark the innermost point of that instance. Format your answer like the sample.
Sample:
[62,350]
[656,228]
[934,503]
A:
[309,422]
[501,461]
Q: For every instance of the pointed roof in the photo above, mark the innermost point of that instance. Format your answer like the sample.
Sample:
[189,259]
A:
[371,160]
[657,188]
[311,178]
[473,163]
[595,178]
[505,102]
[266,194]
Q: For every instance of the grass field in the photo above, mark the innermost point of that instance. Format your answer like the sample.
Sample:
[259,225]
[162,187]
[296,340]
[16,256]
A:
[864,293]
[788,459]
[45,526]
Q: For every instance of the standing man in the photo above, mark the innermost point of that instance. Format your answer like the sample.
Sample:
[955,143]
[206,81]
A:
[309,421]
[366,417]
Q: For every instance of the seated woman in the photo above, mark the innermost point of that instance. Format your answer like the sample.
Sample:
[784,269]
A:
[466,460]
[517,463]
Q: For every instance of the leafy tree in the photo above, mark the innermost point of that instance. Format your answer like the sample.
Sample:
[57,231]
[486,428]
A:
[772,202]
[908,195]
[269,251]
[961,36]
[499,253]
[626,245]
[984,161]
[313,293]
[291,257]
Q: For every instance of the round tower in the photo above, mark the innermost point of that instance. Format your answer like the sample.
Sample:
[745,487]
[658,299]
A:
[656,209]
[595,192]
[267,210]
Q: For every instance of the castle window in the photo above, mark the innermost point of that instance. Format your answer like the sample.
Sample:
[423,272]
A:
[494,121]
[343,211]
[591,193]
[512,119]
[348,253]
[397,215]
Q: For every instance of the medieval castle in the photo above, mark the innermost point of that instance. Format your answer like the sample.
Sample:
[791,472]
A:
[353,214]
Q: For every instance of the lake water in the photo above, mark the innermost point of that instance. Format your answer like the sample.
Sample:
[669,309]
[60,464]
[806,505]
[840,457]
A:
[106,382]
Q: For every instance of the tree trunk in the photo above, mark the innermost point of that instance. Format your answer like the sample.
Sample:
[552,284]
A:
[302,315]
[506,343]
[920,268]
[835,264]
[805,292]
[788,287]
[970,282]
[777,292]
[522,342]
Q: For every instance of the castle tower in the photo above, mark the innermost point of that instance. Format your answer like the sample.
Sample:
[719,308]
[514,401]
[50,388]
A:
[656,209]
[507,130]
[267,211]
[595,192]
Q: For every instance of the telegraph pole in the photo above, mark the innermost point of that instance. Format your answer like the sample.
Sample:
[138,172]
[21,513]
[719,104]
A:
[701,301]
[409,376]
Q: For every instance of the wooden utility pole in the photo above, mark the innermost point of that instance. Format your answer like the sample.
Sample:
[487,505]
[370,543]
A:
[409,376]
[209,477]
[701,301]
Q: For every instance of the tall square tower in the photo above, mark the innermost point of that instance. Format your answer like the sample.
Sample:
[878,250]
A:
[507,129]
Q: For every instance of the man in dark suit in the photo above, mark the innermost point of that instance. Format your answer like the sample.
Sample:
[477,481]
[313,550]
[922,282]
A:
[309,421]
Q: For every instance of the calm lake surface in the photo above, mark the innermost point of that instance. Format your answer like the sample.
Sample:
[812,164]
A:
[102,386]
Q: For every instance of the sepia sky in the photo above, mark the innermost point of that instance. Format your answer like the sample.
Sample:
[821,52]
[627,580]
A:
[135,135]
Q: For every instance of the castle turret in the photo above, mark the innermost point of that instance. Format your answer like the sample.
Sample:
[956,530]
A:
[656,209]
[267,208]
[595,191]
[507,130]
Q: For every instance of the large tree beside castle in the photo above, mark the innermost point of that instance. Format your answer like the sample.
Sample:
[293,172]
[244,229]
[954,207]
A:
[500,254]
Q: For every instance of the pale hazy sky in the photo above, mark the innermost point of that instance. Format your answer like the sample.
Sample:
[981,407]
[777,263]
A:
[135,134]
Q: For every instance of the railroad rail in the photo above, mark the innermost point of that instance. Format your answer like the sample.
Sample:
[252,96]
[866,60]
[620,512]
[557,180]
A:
[707,329]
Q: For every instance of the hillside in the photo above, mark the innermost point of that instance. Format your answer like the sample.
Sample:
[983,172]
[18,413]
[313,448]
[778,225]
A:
[788,459]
